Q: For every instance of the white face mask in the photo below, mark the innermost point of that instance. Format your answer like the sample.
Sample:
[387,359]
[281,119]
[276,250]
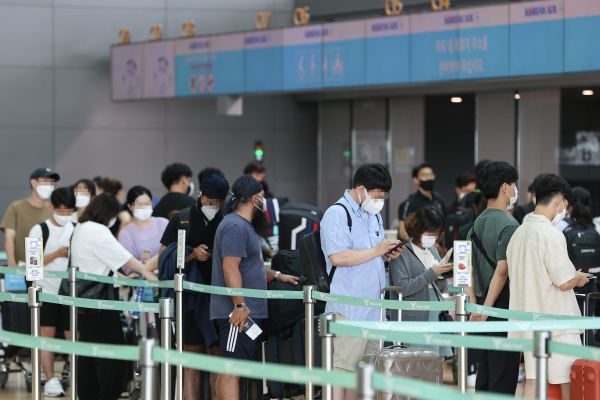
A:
[559,215]
[62,220]
[191,189]
[143,214]
[371,206]
[513,199]
[263,208]
[209,212]
[111,223]
[534,201]
[461,196]
[428,241]
[81,200]
[44,191]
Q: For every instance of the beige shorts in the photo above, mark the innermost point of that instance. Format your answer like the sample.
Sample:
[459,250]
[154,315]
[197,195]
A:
[559,366]
[349,351]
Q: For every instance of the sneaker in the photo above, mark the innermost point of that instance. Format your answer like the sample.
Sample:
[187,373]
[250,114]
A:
[471,379]
[53,388]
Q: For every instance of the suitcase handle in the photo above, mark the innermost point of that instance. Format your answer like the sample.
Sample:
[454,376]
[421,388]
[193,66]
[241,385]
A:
[391,289]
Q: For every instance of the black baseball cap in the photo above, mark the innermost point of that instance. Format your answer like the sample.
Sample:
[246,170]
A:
[44,173]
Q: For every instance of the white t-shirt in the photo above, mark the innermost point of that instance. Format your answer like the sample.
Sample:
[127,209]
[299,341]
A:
[95,250]
[58,236]
[562,225]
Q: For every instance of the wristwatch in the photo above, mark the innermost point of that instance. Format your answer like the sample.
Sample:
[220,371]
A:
[239,305]
[277,273]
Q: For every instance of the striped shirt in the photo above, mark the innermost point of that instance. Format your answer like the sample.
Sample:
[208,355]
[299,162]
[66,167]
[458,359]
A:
[363,280]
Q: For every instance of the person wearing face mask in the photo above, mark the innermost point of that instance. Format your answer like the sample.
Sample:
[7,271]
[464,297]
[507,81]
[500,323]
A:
[22,215]
[522,212]
[490,235]
[424,178]
[177,178]
[85,191]
[465,184]
[358,255]
[142,236]
[56,232]
[542,277]
[418,271]
[204,219]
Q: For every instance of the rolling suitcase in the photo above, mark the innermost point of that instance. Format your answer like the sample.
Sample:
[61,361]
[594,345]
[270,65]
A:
[421,364]
[585,380]
[295,221]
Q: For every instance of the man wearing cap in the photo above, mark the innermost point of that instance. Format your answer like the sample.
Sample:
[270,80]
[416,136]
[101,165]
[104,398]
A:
[204,219]
[22,215]
[237,263]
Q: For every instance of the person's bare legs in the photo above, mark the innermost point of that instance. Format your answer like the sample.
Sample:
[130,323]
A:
[343,393]
[565,391]
[191,377]
[48,356]
[214,351]
[529,389]
[228,387]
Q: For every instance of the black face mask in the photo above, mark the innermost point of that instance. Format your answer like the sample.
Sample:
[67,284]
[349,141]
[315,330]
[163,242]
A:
[427,185]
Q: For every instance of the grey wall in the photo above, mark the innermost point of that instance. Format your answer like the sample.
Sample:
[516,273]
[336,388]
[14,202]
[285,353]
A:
[495,127]
[55,108]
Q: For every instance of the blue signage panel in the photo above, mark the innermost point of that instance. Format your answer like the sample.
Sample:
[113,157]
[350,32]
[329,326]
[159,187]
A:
[536,38]
[193,68]
[264,60]
[483,42]
[227,63]
[387,49]
[433,46]
[344,54]
[303,57]
[582,34]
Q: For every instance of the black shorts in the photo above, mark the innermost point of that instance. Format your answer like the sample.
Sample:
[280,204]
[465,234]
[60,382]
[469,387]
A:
[192,335]
[55,315]
[244,348]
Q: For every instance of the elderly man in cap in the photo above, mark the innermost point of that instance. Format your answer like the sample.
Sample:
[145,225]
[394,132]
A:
[238,263]
[24,214]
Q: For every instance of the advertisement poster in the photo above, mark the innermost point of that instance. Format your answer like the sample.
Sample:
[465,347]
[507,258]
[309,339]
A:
[126,72]
[264,60]
[193,67]
[536,38]
[433,46]
[483,42]
[462,263]
[582,30]
[387,50]
[344,54]
[585,152]
[227,63]
[159,70]
[34,258]
[302,57]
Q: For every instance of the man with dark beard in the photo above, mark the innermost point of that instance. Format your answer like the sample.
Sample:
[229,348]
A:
[238,263]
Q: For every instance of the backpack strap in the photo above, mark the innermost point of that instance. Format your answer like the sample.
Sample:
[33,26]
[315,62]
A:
[184,220]
[45,234]
[349,218]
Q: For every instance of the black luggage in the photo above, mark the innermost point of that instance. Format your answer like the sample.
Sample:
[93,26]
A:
[296,220]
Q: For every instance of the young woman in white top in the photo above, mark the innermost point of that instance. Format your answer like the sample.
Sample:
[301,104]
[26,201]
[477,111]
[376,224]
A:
[85,191]
[95,250]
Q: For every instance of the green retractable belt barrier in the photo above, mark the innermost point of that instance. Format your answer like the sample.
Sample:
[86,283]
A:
[390,304]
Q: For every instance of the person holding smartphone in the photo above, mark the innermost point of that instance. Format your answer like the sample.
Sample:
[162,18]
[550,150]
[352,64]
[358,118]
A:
[418,271]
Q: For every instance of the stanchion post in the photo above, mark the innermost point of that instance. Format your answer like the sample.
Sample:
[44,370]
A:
[73,325]
[35,304]
[327,339]
[461,316]
[364,381]
[540,352]
[165,309]
[309,340]
[179,278]
[148,370]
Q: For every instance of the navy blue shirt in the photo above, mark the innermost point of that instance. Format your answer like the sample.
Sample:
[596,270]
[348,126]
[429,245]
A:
[235,237]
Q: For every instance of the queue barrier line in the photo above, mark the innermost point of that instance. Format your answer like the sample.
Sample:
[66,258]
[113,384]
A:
[389,304]
[99,304]
[14,297]
[516,315]
[255,293]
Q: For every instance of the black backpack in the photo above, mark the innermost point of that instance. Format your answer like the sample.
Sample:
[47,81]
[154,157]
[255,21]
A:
[460,217]
[583,245]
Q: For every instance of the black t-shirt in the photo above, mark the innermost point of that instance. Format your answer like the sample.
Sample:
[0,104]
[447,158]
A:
[418,200]
[171,202]
[521,211]
[201,231]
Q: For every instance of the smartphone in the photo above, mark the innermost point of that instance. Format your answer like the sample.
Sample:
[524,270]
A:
[209,250]
[592,277]
[402,243]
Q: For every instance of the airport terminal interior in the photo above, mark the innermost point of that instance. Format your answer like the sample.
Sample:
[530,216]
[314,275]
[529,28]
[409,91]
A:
[278,107]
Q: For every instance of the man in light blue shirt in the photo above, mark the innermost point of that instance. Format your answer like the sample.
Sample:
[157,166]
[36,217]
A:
[359,254]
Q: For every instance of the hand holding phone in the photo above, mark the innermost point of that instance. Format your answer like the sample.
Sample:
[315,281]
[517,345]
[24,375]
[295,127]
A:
[401,244]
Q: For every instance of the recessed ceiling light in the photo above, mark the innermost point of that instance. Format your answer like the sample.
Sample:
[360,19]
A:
[517,96]
[588,92]
[456,100]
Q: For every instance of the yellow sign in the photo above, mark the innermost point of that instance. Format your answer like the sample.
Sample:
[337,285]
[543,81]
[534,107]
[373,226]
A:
[187,28]
[124,36]
[301,16]
[393,7]
[155,32]
[437,5]
[263,20]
